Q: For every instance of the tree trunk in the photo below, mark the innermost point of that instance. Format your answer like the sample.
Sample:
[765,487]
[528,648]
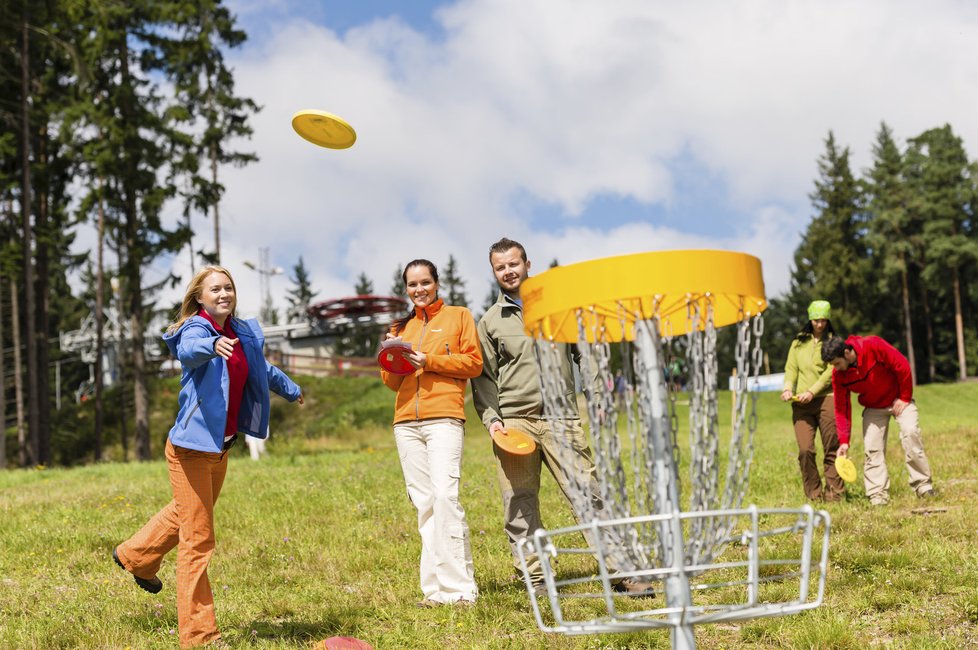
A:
[33,426]
[3,388]
[99,326]
[122,352]
[905,290]
[959,327]
[929,330]
[140,393]
[190,244]
[217,215]
[43,287]
[123,409]
[134,258]
[24,451]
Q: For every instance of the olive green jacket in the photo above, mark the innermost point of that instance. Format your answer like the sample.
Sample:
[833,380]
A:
[805,370]
[509,385]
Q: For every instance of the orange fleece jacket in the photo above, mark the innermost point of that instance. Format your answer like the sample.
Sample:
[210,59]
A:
[448,338]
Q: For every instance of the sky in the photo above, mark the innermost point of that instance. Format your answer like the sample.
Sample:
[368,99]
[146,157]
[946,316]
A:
[581,128]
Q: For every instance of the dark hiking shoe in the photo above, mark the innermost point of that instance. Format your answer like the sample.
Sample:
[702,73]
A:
[153,586]
[634,587]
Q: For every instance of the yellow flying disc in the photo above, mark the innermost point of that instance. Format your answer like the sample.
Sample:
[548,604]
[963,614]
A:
[845,468]
[324,129]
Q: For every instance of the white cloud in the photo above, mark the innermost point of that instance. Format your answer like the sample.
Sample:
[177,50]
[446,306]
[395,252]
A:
[566,101]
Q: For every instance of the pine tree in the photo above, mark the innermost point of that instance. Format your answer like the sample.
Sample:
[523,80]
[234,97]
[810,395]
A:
[893,236]
[453,285]
[301,296]
[363,335]
[830,261]
[943,194]
[492,295]
[123,108]
[205,93]
[397,286]
[26,198]
[364,286]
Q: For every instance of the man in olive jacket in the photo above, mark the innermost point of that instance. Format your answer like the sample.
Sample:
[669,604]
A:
[507,394]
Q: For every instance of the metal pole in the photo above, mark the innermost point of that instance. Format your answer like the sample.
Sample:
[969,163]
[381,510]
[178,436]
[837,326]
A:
[678,594]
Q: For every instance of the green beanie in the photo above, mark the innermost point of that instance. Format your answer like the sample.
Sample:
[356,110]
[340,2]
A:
[819,309]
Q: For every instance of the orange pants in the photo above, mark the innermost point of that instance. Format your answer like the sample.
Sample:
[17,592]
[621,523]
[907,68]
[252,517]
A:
[188,520]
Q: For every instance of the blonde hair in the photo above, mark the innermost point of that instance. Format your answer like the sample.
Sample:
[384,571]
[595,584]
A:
[191,300]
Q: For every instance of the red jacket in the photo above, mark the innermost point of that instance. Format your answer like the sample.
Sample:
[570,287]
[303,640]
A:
[880,375]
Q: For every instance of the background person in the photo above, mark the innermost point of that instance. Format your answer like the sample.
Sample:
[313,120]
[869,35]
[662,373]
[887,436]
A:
[224,391]
[507,394]
[808,378]
[428,429]
[876,370]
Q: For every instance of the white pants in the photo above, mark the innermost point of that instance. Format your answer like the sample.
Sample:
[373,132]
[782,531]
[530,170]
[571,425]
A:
[431,459]
[875,476]
[256,446]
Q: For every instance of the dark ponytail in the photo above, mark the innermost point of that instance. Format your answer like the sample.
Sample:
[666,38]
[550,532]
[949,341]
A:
[401,323]
[808,330]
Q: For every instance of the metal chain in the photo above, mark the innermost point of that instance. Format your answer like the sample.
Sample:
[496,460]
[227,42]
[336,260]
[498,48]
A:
[609,496]
[646,376]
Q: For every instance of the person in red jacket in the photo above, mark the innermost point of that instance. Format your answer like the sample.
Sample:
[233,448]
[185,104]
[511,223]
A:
[876,370]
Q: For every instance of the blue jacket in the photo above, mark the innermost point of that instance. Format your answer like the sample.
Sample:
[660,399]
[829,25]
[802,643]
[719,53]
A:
[204,385]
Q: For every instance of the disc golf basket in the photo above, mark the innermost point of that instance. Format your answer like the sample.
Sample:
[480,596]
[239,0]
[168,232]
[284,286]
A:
[710,558]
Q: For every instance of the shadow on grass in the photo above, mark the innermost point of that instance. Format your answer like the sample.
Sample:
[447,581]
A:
[343,623]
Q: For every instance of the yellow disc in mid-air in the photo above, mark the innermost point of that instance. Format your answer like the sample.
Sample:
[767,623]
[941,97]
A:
[325,129]
[611,294]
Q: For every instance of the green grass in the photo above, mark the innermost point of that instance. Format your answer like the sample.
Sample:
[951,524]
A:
[318,539]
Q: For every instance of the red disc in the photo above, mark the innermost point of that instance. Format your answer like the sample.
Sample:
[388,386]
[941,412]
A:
[391,358]
[344,643]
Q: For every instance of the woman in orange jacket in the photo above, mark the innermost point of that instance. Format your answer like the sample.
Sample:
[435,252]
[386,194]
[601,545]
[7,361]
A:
[428,429]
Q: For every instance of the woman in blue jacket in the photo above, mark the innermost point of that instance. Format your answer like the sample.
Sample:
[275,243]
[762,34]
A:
[224,392]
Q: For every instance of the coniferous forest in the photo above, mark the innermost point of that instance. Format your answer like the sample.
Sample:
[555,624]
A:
[112,112]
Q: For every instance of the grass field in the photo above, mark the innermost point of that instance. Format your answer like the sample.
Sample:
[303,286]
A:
[318,539]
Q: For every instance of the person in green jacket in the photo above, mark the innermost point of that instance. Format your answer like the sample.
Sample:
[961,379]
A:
[507,394]
[808,385]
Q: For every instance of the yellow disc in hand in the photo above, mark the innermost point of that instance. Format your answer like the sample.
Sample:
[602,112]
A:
[845,468]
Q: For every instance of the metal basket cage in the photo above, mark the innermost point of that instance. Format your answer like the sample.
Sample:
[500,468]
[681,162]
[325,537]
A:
[777,547]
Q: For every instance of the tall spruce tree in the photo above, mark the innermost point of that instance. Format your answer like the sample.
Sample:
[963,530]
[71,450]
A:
[301,296]
[364,285]
[452,284]
[362,337]
[23,45]
[893,236]
[397,284]
[830,263]
[942,182]
[126,110]
[206,99]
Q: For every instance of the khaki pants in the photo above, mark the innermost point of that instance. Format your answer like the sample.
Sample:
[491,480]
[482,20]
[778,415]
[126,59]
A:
[187,521]
[817,414]
[519,481]
[875,474]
